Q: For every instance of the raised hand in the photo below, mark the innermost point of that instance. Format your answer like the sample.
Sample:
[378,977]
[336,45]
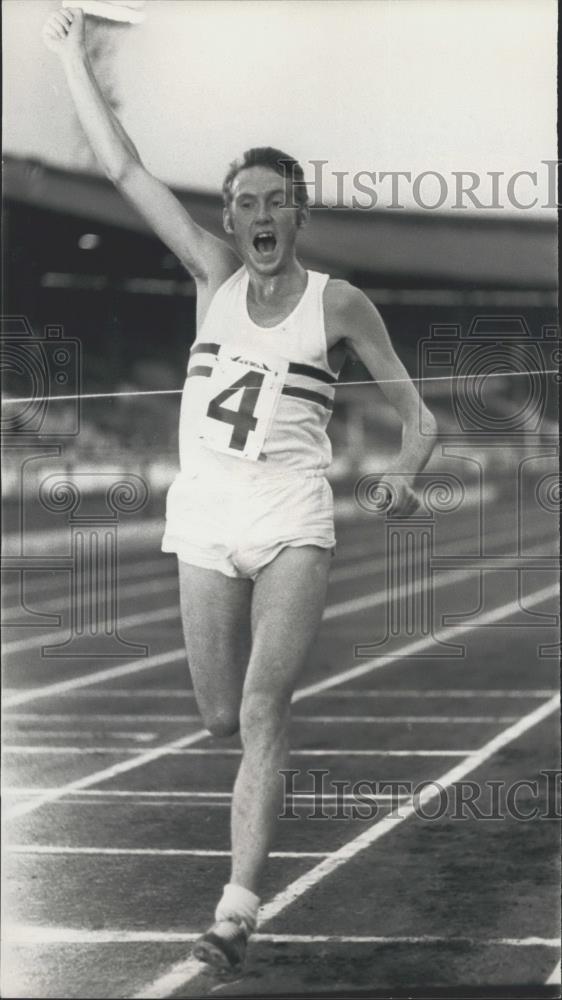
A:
[63,33]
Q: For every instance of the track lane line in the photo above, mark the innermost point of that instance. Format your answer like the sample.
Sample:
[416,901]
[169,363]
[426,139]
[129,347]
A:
[169,612]
[118,793]
[130,567]
[23,697]
[183,972]
[133,735]
[105,774]
[42,934]
[159,659]
[360,693]
[51,795]
[183,719]
[70,751]
[170,852]
[442,635]
[556,974]
[169,581]
[172,611]
[433,693]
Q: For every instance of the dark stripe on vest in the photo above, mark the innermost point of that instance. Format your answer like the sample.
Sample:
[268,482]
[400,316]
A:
[311,397]
[295,368]
[205,349]
[311,371]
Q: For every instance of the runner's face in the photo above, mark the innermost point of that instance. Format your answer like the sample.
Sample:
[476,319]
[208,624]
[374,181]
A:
[262,220]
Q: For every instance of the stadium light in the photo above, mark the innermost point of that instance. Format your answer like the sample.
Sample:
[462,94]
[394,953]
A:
[89,241]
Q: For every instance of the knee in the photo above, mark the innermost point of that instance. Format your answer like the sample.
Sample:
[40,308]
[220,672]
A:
[222,722]
[264,715]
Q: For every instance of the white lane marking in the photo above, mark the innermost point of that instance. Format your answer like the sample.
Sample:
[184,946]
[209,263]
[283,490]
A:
[436,720]
[127,569]
[356,570]
[132,735]
[41,934]
[441,635]
[512,607]
[181,719]
[348,553]
[125,590]
[470,763]
[170,852]
[155,803]
[184,971]
[125,621]
[45,751]
[205,799]
[118,717]
[370,562]
[363,567]
[118,793]
[111,692]
[427,693]
[85,680]
[159,659]
[331,612]
[121,767]
[556,974]
[346,607]
[175,693]
[446,720]
[172,611]
[375,600]
[131,569]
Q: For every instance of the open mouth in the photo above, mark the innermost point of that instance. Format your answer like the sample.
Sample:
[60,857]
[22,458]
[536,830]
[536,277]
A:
[265,243]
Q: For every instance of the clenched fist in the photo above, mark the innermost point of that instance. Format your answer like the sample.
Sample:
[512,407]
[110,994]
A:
[391,493]
[63,32]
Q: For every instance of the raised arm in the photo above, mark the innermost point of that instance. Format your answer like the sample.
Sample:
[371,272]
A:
[364,332]
[208,259]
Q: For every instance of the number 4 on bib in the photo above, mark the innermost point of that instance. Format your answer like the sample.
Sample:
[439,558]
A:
[244,395]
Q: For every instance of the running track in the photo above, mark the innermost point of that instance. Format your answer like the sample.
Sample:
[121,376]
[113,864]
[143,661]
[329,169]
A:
[116,800]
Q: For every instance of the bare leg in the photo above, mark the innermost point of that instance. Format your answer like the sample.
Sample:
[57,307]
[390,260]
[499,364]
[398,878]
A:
[287,606]
[216,622]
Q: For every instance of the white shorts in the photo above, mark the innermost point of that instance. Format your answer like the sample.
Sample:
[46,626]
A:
[237,525]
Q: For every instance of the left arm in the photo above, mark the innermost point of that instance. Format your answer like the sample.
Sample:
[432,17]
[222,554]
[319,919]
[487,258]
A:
[364,332]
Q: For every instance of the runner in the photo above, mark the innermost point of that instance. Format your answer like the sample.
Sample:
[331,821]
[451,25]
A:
[250,515]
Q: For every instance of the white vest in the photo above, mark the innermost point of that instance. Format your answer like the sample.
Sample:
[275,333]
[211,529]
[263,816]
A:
[296,435]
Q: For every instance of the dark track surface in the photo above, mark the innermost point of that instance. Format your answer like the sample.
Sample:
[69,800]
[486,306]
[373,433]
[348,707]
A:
[447,902]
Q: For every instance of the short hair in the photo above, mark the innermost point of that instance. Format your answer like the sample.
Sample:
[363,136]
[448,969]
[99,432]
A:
[267,156]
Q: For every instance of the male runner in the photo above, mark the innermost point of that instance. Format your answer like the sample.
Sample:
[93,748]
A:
[250,515]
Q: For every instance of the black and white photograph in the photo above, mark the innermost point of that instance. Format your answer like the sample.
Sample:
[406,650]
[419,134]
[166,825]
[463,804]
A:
[280,355]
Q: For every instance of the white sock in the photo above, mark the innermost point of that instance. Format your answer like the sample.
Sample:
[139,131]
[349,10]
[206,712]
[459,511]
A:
[238,903]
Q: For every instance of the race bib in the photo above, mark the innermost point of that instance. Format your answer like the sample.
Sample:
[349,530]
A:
[244,391]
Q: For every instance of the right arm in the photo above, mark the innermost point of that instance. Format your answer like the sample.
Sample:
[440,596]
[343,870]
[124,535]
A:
[208,259]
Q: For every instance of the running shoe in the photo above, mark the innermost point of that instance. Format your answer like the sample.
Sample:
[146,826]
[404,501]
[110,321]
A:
[223,946]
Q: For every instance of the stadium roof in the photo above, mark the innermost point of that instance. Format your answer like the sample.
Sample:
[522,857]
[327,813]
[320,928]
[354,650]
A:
[445,248]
